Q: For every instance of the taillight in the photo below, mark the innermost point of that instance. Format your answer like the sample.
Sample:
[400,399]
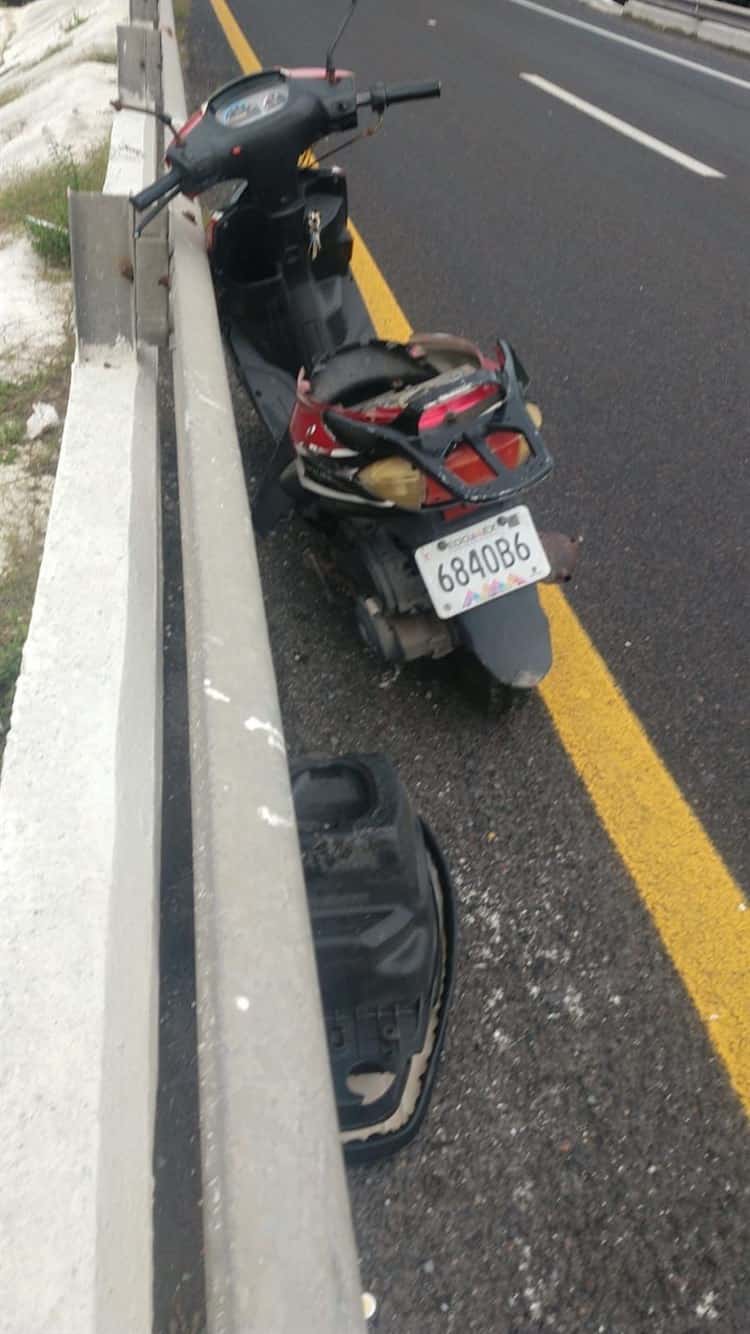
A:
[457,406]
[396,480]
[511,447]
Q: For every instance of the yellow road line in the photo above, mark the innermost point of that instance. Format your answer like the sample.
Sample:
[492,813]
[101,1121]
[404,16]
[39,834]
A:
[241,48]
[698,908]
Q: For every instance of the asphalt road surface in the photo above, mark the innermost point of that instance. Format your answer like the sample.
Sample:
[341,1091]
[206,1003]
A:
[585,1166]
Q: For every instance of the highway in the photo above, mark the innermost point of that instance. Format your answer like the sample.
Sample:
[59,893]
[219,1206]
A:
[582,188]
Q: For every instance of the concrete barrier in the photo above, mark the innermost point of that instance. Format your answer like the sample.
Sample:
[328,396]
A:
[80,832]
[79,864]
[279,1244]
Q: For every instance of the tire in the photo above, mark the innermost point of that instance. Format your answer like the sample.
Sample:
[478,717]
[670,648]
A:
[493,698]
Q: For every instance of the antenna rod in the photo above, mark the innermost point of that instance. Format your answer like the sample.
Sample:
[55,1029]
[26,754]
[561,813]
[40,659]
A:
[330,67]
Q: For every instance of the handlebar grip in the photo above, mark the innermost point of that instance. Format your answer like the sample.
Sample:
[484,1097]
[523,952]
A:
[383,95]
[151,193]
[411,92]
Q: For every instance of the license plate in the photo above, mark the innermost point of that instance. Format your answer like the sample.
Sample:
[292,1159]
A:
[485,561]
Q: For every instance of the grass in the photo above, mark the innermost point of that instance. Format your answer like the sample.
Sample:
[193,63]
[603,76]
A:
[17,587]
[11,435]
[43,194]
[49,384]
[24,549]
[103,57]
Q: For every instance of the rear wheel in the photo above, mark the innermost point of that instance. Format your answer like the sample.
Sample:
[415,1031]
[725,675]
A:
[489,696]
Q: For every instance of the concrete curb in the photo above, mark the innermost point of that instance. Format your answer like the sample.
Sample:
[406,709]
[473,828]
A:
[78,872]
[711,31]
[658,17]
[720,34]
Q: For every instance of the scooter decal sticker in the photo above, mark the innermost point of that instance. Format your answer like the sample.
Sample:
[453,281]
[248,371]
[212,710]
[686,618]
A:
[470,599]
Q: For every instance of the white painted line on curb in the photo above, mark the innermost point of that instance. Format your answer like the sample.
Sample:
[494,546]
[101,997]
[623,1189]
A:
[623,127]
[708,70]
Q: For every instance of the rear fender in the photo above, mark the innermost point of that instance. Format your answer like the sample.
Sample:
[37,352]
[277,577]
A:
[510,637]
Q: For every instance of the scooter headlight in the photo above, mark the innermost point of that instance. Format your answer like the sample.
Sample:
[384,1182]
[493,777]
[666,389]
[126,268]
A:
[395,479]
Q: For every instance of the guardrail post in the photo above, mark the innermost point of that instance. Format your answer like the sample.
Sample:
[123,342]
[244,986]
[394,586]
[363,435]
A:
[144,11]
[120,287]
[101,246]
[139,66]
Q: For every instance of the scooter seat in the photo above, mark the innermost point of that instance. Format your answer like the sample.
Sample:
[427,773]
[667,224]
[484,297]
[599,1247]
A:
[365,371]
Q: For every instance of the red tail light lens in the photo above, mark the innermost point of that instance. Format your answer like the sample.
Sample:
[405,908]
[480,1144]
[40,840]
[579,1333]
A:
[458,406]
[509,446]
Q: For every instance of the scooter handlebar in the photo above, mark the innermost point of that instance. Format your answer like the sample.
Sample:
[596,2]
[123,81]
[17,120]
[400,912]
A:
[382,95]
[159,188]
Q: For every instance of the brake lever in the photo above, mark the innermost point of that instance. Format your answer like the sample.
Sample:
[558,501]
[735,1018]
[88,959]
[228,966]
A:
[155,210]
[366,133]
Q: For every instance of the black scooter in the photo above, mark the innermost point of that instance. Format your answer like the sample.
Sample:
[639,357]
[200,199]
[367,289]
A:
[411,456]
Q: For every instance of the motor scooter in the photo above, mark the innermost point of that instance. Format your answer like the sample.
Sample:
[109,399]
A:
[412,457]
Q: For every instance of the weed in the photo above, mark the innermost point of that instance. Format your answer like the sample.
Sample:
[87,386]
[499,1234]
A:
[74,20]
[42,194]
[17,398]
[49,381]
[11,435]
[17,586]
[23,549]
[50,241]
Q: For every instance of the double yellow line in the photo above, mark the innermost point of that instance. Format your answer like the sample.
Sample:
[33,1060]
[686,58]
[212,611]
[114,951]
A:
[697,907]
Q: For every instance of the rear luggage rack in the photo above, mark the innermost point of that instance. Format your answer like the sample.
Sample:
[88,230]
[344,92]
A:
[430,450]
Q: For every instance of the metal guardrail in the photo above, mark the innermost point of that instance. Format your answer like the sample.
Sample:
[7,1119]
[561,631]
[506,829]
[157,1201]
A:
[279,1247]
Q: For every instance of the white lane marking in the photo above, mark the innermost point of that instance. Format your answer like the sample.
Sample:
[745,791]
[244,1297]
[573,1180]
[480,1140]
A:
[708,70]
[623,127]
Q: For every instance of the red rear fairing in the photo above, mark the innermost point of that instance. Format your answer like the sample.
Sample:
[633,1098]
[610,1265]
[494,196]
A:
[310,435]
